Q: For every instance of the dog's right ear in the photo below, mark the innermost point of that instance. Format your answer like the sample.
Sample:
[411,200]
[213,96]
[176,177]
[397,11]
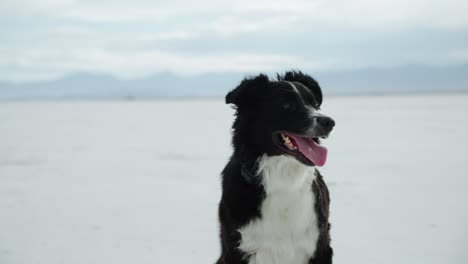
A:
[246,91]
[307,81]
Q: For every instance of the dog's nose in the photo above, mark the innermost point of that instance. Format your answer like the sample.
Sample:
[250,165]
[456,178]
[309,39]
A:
[326,122]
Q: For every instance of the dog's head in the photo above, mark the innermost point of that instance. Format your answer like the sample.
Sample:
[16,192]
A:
[278,117]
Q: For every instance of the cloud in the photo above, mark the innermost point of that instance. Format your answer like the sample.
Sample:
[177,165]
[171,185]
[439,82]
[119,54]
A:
[458,55]
[129,65]
[48,38]
[449,13]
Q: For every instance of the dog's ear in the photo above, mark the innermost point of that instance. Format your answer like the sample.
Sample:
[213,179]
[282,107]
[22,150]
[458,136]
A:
[306,80]
[246,91]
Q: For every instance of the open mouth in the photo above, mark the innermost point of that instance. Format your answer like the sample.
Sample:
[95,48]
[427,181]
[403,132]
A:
[305,149]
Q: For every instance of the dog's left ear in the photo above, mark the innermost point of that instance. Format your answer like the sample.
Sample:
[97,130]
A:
[306,80]
[245,93]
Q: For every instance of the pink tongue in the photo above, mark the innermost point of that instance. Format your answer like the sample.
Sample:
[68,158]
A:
[313,151]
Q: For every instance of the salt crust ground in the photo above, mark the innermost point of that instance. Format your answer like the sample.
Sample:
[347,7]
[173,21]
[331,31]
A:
[138,182]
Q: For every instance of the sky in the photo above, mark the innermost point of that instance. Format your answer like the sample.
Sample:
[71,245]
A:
[48,39]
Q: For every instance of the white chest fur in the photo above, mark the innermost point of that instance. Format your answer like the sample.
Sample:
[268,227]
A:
[287,232]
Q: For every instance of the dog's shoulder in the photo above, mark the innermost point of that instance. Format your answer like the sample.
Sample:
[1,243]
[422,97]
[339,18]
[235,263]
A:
[240,200]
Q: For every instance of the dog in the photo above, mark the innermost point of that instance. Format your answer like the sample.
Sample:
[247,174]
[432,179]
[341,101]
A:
[274,206]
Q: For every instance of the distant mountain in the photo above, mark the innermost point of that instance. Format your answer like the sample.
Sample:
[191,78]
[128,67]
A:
[90,85]
[404,79]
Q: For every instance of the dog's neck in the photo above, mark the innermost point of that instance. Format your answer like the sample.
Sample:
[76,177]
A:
[284,173]
[248,162]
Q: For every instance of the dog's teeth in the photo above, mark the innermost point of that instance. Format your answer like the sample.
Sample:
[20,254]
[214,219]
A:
[287,142]
[290,146]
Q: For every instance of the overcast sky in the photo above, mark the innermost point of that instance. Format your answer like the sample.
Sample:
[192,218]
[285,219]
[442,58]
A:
[46,39]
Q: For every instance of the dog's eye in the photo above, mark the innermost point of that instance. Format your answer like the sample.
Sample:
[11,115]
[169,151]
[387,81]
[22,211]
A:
[289,106]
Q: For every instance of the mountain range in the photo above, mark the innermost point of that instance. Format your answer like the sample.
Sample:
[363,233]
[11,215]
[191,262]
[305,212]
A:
[84,85]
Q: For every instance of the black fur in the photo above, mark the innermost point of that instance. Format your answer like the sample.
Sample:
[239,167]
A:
[264,106]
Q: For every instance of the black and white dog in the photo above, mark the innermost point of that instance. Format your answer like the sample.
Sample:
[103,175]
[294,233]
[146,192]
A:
[275,205]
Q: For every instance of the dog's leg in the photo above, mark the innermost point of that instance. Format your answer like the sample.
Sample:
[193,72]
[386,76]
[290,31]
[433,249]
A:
[322,256]
[233,257]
